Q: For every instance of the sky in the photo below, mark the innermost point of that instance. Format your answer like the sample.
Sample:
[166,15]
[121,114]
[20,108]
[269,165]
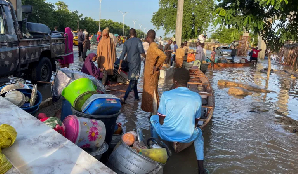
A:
[138,10]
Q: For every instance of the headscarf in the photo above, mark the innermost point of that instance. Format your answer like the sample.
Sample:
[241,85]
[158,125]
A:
[106,52]
[69,40]
[105,32]
[90,68]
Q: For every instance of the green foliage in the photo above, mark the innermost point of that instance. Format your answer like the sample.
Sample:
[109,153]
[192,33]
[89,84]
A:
[59,15]
[197,15]
[271,19]
[225,35]
[42,12]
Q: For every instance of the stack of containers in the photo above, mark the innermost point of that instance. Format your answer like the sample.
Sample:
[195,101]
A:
[83,101]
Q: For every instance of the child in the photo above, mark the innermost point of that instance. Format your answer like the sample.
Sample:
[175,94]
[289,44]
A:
[86,46]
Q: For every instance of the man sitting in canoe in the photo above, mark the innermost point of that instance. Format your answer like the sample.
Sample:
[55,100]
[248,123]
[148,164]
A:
[178,115]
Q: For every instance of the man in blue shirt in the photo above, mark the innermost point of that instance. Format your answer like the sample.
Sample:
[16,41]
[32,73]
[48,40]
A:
[178,115]
[133,47]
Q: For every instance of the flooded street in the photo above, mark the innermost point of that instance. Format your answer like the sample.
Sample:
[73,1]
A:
[244,135]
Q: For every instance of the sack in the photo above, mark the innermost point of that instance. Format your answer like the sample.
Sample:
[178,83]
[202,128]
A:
[191,58]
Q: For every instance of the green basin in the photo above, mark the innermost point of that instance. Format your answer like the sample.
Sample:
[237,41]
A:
[78,87]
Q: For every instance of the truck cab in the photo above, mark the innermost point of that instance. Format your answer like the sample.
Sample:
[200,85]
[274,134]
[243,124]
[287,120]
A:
[26,49]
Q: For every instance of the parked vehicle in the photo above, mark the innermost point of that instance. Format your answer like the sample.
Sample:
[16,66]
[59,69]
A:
[26,48]
[75,38]
[223,51]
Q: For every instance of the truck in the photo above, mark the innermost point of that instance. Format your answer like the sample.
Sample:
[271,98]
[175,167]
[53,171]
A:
[27,49]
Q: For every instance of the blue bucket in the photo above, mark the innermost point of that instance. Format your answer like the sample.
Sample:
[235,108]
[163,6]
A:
[31,109]
[66,109]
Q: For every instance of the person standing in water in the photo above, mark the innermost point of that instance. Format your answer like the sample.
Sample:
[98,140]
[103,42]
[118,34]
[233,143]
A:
[106,53]
[168,52]
[68,49]
[154,61]
[133,48]
[180,53]
[86,46]
[233,52]
[80,42]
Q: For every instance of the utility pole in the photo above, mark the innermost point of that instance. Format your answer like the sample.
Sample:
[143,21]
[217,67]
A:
[141,29]
[123,13]
[134,24]
[179,18]
[145,32]
[100,15]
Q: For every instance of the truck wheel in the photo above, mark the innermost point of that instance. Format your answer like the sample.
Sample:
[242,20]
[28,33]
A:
[42,71]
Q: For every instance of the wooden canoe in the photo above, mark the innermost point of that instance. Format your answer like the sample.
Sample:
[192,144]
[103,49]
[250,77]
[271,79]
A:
[234,65]
[198,78]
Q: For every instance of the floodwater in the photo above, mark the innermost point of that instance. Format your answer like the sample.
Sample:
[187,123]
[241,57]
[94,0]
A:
[243,136]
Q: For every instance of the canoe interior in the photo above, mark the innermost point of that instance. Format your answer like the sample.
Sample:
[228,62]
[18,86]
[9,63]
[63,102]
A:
[198,78]
[224,65]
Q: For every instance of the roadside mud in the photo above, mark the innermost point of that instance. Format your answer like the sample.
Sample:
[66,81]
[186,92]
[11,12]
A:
[288,123]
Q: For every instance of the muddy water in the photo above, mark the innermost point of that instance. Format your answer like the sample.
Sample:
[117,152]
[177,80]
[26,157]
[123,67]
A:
[243,136]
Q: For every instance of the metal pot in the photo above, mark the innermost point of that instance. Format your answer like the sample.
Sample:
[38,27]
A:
[125,160]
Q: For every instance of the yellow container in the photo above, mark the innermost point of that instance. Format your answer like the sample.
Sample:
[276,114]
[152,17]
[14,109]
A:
[156,154]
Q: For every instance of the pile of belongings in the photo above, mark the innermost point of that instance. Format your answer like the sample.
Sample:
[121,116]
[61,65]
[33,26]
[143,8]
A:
[223,60]
[157,151]
[22,95]
[84,96]
[88,134]
[65,76]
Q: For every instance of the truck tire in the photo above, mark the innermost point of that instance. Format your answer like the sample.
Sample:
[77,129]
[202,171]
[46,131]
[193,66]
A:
[42,71]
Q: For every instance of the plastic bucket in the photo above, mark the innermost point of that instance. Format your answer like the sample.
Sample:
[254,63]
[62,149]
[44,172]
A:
[78,87]
[85,133]
[66,109]
[108,120]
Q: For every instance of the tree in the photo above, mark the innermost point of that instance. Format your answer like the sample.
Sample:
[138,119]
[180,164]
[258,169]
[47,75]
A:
[275,20]
[197,14]
[42,12]
[59,15]
[225,35]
